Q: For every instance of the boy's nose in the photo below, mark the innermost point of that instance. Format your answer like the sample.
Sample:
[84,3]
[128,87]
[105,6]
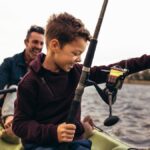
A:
[78,59]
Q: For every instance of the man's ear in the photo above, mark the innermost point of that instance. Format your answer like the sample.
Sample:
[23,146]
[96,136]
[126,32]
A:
[26,41]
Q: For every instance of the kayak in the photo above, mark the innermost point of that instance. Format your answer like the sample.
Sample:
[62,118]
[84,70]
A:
[100,141]
[103,141]
[7,145]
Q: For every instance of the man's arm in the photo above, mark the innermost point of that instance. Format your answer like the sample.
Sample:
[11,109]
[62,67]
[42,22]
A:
[5,72]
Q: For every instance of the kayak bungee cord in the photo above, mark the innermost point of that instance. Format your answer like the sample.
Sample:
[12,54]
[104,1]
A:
[85,71]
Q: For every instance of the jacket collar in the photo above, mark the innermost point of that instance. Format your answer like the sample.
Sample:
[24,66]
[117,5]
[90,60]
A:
[20,60]
[36,64]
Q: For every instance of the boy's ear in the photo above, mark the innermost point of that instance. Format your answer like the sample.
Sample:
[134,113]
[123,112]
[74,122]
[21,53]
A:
[54,45]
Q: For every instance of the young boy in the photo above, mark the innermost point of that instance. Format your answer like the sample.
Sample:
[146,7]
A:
[46,92]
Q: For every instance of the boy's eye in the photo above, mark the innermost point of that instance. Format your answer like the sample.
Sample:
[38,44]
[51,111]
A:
[76,53]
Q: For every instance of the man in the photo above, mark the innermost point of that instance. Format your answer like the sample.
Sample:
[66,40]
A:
[14,68]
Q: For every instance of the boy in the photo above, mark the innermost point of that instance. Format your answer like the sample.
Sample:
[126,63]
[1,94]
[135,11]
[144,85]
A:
[46,92]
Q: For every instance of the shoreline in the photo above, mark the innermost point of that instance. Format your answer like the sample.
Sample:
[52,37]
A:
[144,82]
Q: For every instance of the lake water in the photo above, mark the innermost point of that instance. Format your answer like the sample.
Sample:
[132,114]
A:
[132,107]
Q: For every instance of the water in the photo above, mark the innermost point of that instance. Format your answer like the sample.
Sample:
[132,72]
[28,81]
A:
[132,107]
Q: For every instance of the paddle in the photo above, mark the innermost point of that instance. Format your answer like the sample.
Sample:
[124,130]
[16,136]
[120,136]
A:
[85,70]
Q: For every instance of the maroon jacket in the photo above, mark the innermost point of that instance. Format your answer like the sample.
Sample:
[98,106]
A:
[44,99]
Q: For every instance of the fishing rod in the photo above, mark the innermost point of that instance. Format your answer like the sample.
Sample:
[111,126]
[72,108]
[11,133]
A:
[85,70]
[86,67]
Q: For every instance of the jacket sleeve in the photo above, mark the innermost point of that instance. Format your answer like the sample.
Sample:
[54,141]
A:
[5,71]
[24,124]
[134,65]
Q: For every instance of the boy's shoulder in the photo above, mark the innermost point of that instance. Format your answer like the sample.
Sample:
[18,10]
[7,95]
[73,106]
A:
[78,67]
[28,78]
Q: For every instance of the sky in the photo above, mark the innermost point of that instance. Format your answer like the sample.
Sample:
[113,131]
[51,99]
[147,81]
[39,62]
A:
[125,31]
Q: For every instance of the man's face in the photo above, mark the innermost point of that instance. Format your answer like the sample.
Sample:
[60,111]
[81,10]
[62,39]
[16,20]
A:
[34,45]
[70,54]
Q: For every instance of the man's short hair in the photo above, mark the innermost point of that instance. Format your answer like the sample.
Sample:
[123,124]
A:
[35,28]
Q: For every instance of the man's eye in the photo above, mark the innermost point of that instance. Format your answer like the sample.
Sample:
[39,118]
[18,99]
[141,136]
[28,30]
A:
[35,41]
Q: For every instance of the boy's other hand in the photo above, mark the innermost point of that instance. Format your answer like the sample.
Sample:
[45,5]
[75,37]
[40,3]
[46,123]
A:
[88,126]
[8,121]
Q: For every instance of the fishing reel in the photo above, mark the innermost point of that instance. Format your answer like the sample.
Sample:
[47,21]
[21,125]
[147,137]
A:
[114,82]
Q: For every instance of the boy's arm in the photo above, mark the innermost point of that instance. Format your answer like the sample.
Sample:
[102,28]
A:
[99,75]
[25,126]
[135,64]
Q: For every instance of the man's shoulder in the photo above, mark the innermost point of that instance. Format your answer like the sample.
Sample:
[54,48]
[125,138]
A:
[15,57]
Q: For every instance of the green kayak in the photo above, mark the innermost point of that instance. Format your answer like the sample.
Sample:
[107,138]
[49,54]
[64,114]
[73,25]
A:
[103,141]
[100,141]
[6,146]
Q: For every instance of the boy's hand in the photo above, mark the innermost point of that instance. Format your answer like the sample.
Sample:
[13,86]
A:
[8,121]
[8,125]
[65,132]
[88,126]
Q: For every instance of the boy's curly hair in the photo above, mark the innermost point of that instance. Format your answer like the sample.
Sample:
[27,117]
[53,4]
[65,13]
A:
[65,28]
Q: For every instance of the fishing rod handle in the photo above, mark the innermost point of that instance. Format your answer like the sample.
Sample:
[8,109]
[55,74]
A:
[74,107]
[78,94]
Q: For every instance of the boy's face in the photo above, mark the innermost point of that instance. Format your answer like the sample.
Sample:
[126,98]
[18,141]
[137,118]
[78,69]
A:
[70,54]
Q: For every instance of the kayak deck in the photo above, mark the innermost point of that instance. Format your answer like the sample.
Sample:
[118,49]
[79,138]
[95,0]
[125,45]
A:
[103,141]
[7,146]
[100,141]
